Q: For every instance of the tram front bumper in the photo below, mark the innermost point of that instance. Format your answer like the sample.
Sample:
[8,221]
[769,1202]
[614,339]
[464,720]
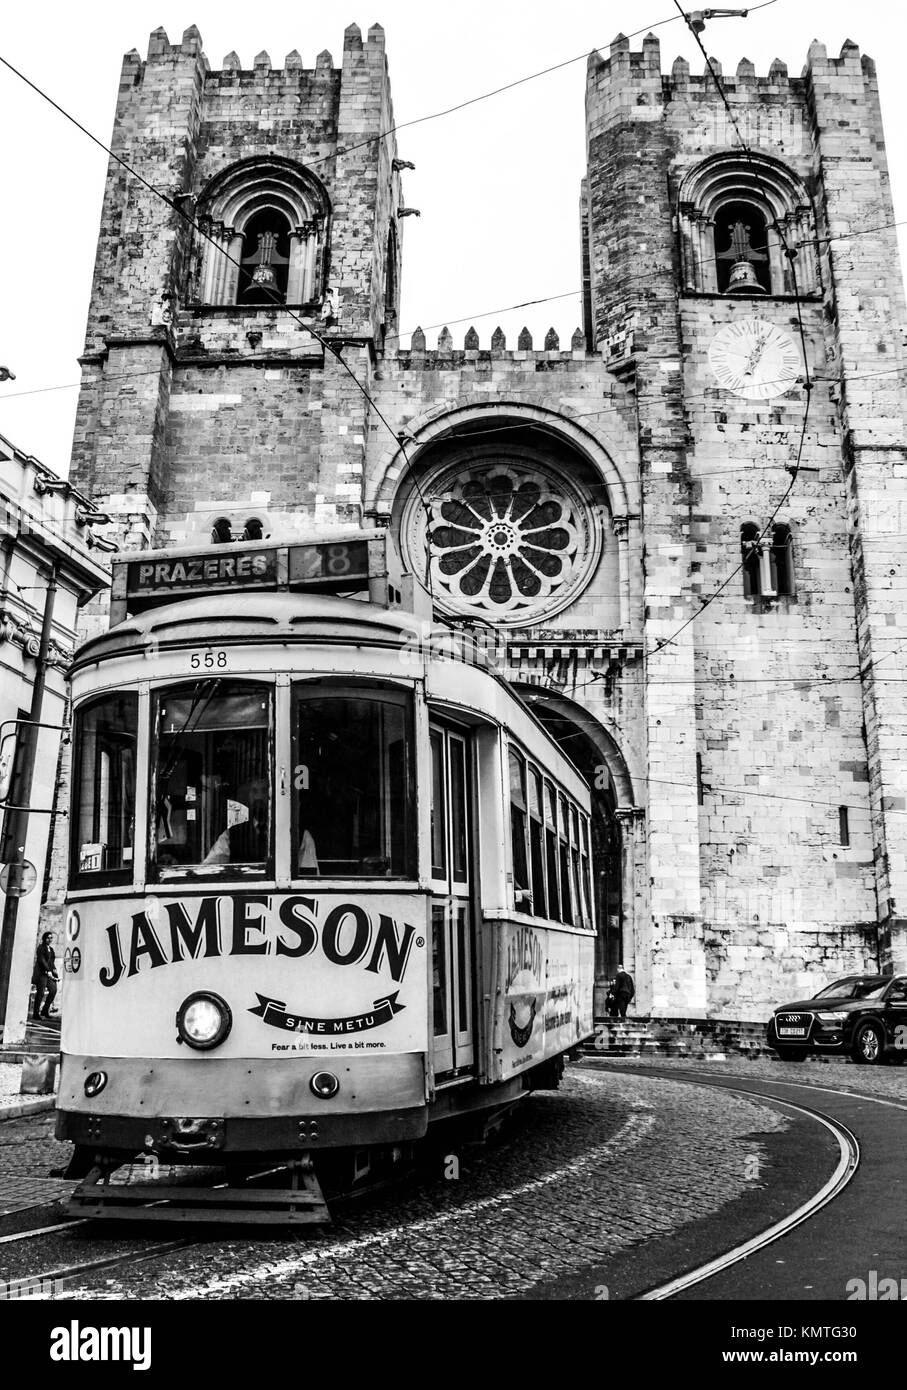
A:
[247,1105]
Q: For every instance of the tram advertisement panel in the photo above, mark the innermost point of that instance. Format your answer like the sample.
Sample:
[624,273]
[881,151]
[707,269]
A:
[544,994]
[311,973]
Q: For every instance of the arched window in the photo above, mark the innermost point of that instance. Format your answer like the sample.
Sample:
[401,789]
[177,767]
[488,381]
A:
[221,531]
[751,551]
[768,561]
[266,225]
[782,560]
[253,530]
[737,219]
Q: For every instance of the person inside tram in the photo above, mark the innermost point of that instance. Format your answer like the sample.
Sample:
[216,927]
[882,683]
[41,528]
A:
[245,840]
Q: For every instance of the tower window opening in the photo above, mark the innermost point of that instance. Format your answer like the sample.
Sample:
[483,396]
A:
[751,550]
[265,259]
[782,560]
[843,825]
[221,532]
[768,565]
[741,250]
[253,530]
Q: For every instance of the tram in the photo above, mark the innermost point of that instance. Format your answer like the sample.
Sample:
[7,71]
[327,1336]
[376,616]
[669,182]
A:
[330,878]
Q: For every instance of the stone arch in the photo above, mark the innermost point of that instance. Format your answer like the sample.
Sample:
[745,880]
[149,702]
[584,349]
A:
[444,420]
[540,698]
[256,188]
[774,192]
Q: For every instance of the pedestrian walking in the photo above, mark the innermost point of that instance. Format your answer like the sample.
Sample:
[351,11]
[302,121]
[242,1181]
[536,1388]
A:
[45,977]
[624,990]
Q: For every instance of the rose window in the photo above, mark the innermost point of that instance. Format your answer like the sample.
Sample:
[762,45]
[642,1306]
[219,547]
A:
[509,541]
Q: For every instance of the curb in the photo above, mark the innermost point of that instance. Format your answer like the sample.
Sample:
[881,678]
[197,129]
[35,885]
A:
[27,1107]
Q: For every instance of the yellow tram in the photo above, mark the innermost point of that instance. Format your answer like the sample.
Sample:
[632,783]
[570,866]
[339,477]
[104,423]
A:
[330,879]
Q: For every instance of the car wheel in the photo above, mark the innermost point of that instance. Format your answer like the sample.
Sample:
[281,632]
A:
[792,1054]
[868,1045]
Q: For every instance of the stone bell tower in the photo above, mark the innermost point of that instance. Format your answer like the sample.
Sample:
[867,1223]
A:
[743,296]
[203,400]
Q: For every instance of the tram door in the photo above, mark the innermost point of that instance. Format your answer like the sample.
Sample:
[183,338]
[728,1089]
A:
[452,934]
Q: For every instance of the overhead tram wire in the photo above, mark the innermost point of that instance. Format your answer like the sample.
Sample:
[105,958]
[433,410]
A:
[326,344]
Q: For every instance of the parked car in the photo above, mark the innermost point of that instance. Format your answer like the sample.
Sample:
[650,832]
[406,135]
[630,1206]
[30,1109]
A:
[864,1016]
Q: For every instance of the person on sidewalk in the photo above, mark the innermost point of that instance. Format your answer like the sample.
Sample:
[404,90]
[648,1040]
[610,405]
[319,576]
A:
[44,976]
[624,990]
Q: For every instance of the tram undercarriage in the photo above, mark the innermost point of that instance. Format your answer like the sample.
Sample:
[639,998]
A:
[278,1187]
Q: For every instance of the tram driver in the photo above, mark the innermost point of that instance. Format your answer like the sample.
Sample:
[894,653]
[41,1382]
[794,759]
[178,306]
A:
[245,840]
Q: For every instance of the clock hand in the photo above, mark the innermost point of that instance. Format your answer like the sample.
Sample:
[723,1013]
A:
[756,356]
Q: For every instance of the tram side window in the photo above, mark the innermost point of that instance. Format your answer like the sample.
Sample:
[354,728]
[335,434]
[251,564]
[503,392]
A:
[564,847]
[211,780]
[522,894]
[104,819]
[554,908]
[537,842]
[354,807]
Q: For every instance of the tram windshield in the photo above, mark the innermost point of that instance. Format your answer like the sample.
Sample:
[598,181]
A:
[211,783]
[353,777]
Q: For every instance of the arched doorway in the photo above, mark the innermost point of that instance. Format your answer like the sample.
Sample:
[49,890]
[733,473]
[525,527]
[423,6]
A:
[597,757]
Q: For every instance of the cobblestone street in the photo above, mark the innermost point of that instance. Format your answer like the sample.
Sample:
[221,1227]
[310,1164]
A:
[603,1165]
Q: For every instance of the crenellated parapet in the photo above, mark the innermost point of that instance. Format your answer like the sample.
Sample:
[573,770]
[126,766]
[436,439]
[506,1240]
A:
[418,355]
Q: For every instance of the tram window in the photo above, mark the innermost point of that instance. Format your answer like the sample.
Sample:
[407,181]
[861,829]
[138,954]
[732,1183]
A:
[211,788]
[441,1025]
[585,878]
[554,908]
[522,895]
[537,842]
[458,846]
[438,803]
[575,867]
[104,820]
[564,847]
[354,811]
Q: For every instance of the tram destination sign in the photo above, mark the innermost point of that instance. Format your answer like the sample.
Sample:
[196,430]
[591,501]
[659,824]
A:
[203,573]
[360,561]
[329,564]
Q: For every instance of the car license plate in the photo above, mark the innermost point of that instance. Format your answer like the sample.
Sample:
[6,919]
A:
[792,1032]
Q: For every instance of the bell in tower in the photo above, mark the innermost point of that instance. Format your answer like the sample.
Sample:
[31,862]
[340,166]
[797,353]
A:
[742,255]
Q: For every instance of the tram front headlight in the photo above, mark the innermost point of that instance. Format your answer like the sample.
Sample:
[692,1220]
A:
[203,1021]
[95,1083]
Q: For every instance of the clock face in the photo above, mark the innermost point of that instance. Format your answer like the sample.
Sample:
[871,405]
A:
[754,359]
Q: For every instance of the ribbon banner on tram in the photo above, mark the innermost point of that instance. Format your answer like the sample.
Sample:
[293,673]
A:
[307,973]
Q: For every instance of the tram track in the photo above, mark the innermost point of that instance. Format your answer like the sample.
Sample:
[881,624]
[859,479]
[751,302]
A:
[849,1157]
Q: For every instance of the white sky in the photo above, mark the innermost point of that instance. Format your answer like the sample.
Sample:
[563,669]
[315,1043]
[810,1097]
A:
[497,184]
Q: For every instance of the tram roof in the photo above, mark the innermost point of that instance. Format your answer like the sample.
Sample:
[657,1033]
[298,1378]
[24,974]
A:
[265,617]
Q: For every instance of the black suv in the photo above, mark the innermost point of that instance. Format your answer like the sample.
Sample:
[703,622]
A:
[864,1015]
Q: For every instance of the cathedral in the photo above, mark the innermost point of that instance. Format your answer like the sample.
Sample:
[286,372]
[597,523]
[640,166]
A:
[679,531]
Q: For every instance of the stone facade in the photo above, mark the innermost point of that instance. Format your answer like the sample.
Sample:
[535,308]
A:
[723,743]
